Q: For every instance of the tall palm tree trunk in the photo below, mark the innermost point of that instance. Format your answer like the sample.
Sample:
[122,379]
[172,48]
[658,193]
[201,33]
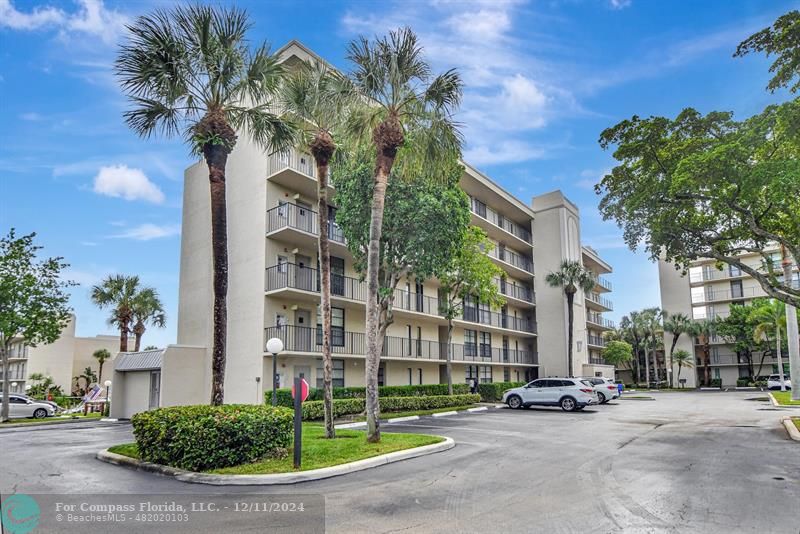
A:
[325,290]
[138,332]
[780,357]
[706,362]
[671,352]
[123,337]
[646,366]
[449,356]
[570,322]
[216,157]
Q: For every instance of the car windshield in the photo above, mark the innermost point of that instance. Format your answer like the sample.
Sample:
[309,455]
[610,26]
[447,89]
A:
[586,383]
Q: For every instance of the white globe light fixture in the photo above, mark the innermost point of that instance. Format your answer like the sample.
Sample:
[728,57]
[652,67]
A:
[274,347]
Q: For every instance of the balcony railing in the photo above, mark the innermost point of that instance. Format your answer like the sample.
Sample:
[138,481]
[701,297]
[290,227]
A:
[597,341]
[602,282]
[309,339]
[597,361]
[596,318]
[482,210]
[511,257]
[289,275]
[604,302]
[18,352]
[290,215]
[516,291]
[727,294]
[295,160]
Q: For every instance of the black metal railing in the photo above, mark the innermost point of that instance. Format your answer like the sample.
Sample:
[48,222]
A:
[602,282]
[293,159]
[596,318]
[289,275]
[480,209]
[309,339]
[604,302]
[596,341]
[290,215]
[513,258]
[516,291]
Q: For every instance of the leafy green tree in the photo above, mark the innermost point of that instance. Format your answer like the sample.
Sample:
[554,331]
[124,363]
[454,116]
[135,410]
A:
[146,310]
[770,321]
[617,353]
[316,100]
[676,325]
[102,356]
[737,328]
[707,186]
[118,293]
[190,71]
[408,121]
[629,331]
[42,386]
[682,359]
[33,299]
[704,330]
[470,274]
[150,347]
[571,277]
[781,40]
[424,226]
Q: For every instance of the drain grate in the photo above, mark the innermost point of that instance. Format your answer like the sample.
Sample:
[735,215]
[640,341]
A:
[778,478]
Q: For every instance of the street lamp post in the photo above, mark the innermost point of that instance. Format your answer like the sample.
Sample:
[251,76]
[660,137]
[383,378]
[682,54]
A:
[107,384]
[274,347]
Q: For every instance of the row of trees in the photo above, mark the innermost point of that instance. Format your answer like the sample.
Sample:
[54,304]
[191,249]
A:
[758,327]
[708,186]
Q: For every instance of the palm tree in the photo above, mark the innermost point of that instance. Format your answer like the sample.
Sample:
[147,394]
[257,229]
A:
[147,310]
[676,325]
[770,318]
[629,331]
[315,100]
[101,355]
[408,116]
[649,325]
[117,292]
[190,71]
[704,329]
[683,359]
[571,276]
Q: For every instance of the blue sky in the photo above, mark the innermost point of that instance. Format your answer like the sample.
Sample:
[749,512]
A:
[543,79]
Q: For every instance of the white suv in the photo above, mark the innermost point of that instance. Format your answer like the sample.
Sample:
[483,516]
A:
[569,393]
[605,388]
[774,381]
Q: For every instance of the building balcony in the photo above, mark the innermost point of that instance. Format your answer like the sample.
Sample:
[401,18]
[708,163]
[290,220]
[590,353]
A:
[497,221]
[308,340]
[722,295]
[595,341]
[516,264]
[295,171]
[595,301]
[18,352]
[305,281]
[298,224]
[602,284]
[598,320]
[518,292]
[597,361]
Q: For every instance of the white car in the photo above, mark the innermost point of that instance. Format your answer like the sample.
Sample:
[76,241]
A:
[605,388]
[20,406]
[774,381]
[569,393]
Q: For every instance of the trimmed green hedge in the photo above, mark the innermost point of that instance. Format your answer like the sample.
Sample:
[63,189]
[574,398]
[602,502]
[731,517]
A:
[199,438]
[716,382]
[313,410]
[315,394]
[493,392]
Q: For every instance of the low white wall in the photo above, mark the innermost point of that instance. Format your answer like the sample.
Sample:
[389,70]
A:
[185,376]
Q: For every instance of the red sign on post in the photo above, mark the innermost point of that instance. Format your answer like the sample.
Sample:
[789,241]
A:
[304,392]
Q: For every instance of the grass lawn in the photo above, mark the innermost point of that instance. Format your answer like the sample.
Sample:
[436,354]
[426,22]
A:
[796,421]
[318,452]
[392,415]
[785,398]
[53,420]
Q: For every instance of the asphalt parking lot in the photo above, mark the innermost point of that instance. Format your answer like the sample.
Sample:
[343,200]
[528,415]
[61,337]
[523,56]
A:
[685,462]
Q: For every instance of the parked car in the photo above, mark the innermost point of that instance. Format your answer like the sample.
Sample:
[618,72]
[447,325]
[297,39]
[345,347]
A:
[51,403]
[569,393]
[774,381]
[20,406]
[605,388]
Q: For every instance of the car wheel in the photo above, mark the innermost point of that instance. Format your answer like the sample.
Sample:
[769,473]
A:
[514,402]
[568,404]
[39,413]
[601,398]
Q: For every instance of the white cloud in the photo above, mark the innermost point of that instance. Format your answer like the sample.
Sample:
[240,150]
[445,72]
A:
[92,18]
[30,116]
[503,152]
[481,25]
[619,4]
[148,231]
[124,182]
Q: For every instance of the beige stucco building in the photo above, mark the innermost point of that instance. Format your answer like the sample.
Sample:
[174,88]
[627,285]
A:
[274,290]
[708,292]
[67,357]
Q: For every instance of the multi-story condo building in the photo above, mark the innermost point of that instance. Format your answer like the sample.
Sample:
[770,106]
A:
[707,292]
[557,233]
[274,291]
[67,357]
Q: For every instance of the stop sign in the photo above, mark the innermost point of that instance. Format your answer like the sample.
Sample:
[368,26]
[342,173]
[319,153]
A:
[303,390]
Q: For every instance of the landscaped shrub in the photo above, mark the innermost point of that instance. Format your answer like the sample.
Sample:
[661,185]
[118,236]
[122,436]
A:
[716,382]
[315,394]
[210,437]
[743,382]
[313,410]
[493,392]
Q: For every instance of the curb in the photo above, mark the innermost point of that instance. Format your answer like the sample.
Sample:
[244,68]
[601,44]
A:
[277,478]
[59,423]
[775,402]
[363,424]
[791,428]
[445,414]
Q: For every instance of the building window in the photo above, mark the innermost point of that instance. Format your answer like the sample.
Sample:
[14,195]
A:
[337,376]
[485,373]
[282,264]
[337,327]
[486,345]
[736,289]
[410,376]
[716,372]
[337,276]
[470,343]
[419,372]
[280,320]
[471,373]
[506,374]
[382,374]
[410,341]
